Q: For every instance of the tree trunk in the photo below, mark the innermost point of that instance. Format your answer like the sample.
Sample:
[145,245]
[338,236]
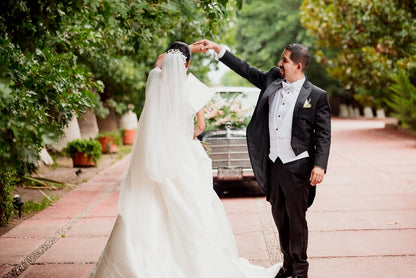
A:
[109,123]
[71,132]
[88,125]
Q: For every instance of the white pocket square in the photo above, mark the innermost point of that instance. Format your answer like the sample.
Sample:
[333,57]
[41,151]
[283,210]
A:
[307,103]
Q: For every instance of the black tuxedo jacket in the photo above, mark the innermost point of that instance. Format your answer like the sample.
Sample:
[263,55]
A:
[311,127]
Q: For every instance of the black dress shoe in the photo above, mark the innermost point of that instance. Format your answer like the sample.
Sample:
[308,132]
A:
[299,276]
[284,272]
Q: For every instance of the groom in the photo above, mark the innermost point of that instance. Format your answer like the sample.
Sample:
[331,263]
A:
[288,139]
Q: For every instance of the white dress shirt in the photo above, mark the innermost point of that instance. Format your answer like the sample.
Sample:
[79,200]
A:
[281,107]
[222,52]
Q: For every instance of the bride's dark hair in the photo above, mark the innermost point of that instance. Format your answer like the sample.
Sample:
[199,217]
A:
[182,47]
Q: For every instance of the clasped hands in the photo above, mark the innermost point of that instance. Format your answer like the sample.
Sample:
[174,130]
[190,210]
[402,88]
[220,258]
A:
[204,45]
[201,46]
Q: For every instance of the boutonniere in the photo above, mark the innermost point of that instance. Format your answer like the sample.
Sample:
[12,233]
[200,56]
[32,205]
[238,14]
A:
[307,103]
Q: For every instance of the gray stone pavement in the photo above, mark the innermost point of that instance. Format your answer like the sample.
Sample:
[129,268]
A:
[362,223]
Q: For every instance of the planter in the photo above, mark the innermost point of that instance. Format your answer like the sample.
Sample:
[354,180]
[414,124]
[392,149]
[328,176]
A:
[380,114]
[84,152]
[128,136]
[80,160]
[343,111]
[107,144]
[128,120]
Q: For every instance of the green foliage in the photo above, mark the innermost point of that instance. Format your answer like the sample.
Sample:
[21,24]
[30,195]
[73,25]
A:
[264,28]
[31,206]
[115,136]
[44,90]
[230,78]
[125,37]
[89,147]
[39,181]
[120,108]
[123,150]
[363,42]
[8,178]
[403,99]
[54,54]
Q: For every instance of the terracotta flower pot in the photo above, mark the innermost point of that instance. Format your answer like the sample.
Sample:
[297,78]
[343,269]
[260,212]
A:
[107,145]
[128,136]
[80,160]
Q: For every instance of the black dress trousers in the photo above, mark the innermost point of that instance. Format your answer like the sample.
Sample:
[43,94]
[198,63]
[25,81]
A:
[289,197]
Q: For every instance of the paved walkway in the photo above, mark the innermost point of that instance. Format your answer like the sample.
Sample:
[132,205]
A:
[362,224]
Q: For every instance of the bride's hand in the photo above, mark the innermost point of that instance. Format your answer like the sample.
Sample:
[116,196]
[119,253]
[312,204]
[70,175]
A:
[200,123]
[198,131]
[159,61]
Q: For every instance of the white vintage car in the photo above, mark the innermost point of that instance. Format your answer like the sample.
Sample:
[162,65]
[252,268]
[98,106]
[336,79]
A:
[227,147]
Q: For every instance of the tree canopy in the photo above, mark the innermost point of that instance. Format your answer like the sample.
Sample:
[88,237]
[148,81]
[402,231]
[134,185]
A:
[56,55]
[364,43]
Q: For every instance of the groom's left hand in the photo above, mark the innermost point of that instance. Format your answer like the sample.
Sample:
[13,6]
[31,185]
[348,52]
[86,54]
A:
[317,175]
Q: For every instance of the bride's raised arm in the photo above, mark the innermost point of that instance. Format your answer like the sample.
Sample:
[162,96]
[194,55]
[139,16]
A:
[159,61]
[195,48]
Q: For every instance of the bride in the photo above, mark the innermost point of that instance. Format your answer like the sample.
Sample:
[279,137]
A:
[170,222]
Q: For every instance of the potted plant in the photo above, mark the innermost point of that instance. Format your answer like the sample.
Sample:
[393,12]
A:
[84,152]
[109,141]
[128,136]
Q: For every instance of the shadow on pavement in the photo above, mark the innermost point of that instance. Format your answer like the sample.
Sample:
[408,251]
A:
[238,189]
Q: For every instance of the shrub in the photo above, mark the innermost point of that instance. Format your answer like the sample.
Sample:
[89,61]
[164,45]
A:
[8,179]
[403,100]
[89,147]
[115,136]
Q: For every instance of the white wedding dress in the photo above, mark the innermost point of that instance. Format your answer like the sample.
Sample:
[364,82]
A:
[171,224]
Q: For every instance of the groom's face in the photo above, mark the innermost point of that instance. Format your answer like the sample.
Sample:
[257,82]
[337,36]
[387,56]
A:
[289,69]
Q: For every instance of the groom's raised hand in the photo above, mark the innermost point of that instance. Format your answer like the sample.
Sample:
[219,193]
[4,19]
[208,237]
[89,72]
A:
[205,44]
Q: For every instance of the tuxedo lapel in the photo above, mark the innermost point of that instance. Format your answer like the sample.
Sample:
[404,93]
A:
[303,95]
[273,87]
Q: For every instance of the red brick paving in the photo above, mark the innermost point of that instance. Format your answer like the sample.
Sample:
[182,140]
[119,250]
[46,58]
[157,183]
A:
[362,223]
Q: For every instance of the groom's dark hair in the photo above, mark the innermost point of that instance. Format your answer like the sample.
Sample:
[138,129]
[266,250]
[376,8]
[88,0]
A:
[182,47]
[299,54]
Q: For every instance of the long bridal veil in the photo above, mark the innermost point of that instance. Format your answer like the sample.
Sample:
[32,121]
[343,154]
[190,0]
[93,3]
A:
[164,119]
